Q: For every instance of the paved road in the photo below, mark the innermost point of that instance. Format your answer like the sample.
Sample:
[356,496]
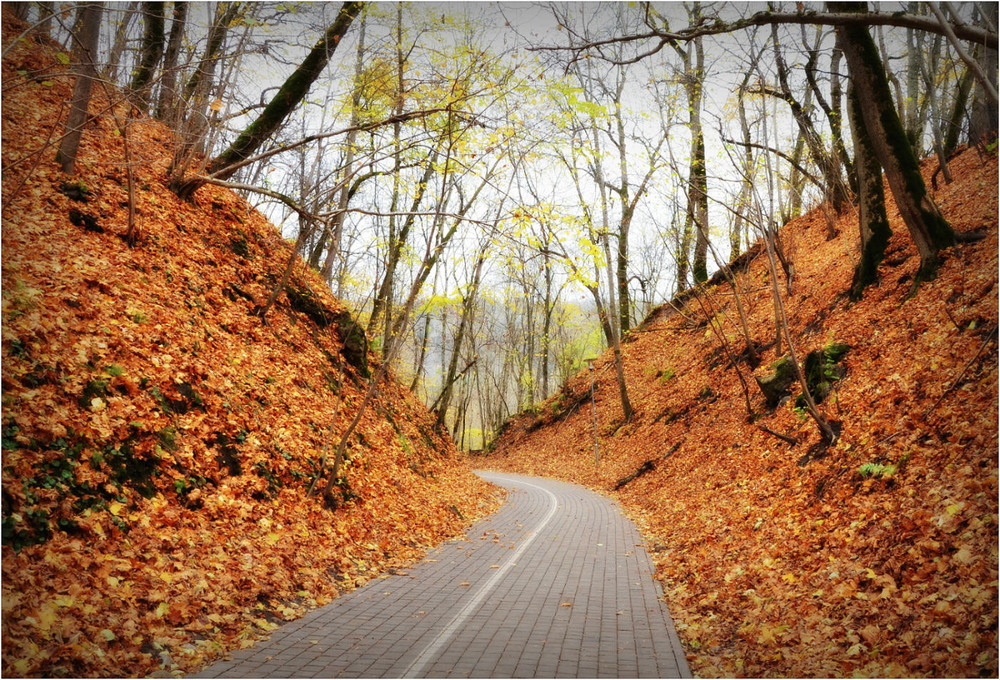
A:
[555,584]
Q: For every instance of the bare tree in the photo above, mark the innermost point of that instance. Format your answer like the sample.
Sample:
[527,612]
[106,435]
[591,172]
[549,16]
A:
[154,16]
[84,38]
[287,98]
[928,228]
[167,102]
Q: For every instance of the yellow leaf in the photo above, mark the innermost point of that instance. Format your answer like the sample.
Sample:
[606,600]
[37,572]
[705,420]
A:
[107,635]
[162,609]
[46,617]
[115,508]
[965,556]
[768,633]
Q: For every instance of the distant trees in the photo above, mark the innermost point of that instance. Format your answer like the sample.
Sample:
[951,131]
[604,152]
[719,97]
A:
[398,140]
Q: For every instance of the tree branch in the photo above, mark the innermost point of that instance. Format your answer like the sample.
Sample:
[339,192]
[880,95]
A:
[718,27]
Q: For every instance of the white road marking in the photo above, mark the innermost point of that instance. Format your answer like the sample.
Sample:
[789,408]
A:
[431,650]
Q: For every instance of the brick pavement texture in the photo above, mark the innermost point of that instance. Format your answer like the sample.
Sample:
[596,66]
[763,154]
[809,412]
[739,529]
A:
[555,585]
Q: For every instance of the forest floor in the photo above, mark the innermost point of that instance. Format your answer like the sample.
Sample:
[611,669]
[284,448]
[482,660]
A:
[873,557]
[159,438]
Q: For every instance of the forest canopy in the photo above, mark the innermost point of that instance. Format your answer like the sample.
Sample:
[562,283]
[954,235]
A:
[500,191]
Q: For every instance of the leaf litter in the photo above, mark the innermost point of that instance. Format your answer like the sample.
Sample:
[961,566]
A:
[159,438]
[875,557]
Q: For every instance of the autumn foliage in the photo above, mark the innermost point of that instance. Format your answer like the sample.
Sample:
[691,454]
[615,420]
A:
[159,437]
[874,557]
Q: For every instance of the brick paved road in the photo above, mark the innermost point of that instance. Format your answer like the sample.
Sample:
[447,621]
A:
[556,584]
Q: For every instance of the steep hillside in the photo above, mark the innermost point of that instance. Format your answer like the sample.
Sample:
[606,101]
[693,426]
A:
[877,556]
[159,438]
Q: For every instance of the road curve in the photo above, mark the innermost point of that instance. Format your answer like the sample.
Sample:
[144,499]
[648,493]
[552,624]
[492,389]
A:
[555,584]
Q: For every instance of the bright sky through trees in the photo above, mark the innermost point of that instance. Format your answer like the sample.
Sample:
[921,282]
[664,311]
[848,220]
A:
[598,172]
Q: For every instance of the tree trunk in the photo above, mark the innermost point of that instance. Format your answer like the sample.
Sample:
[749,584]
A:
[283,103]
[696,221]
[468,304]
[627,208]
[699,190]
[928,228]
[832,109]
[382,304]
[983,122]
[196,92]
[84,53]
[914,48]
[872,220]
[46,10]
[926,70]
[121,38]
[154,16]
[547,306]
[746,186]
[337,233]
[958,111]
[683,250]
[827,162]
[418,369]
[166,105]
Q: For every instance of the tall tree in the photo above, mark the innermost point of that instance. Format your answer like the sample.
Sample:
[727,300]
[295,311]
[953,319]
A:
[167,103]
[827,161]
[469,300]
[196,91]
[873,221]
[928,228]
[85,36]
[983,123]
[127,15]
[154,17]
[288,97]
[696,215]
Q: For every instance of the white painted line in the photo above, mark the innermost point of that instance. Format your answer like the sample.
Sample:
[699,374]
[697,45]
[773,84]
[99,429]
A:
[431,650]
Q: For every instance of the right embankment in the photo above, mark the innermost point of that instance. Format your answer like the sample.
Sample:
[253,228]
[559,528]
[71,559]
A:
[876,556]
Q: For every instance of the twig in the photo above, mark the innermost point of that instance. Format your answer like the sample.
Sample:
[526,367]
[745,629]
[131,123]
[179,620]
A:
[784,437]
[948,312]
[954,382]
[38,156]
[132,234]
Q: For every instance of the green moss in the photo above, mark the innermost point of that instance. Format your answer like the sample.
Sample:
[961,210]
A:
[168,438]
[94,389]
[240,246]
